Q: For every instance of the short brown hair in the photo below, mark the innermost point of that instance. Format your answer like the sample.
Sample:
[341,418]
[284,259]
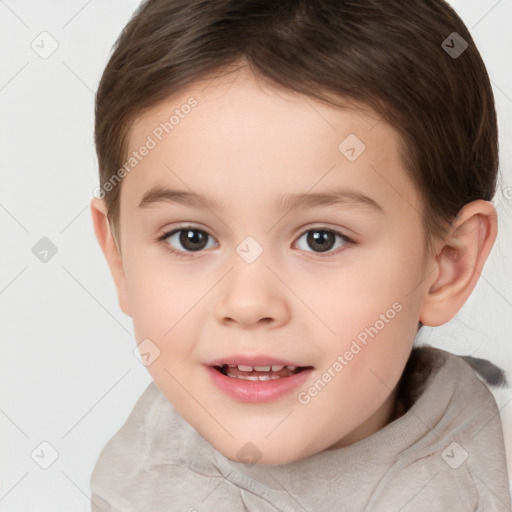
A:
[386,54]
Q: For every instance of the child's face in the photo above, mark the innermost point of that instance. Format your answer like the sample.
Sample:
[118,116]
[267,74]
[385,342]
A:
[245,148]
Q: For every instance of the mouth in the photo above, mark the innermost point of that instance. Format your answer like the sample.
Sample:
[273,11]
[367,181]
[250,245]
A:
[257,378]
[259,373]
[265,380]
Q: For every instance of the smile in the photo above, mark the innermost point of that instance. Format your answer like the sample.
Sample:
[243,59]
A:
[257,384]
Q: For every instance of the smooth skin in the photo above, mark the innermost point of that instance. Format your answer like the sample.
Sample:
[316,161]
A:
[245,145]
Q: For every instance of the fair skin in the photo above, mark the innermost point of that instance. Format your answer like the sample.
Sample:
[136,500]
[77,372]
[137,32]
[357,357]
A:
[245,145]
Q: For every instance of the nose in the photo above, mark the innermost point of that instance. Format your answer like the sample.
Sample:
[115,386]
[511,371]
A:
[250,296]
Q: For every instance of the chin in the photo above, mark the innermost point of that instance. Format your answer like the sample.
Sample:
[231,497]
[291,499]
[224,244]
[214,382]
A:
[264,452]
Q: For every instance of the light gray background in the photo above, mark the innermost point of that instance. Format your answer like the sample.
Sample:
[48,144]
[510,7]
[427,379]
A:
[68,373]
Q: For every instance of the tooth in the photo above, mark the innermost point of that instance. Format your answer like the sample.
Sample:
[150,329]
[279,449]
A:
[262,368]
[244,368]
[277,367]
[250,377]
[291,368]
[245,377]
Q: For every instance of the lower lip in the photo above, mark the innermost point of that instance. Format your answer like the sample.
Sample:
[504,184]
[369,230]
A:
[257,391]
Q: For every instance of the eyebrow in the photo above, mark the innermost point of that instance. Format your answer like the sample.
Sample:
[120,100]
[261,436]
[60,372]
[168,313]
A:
[289,202]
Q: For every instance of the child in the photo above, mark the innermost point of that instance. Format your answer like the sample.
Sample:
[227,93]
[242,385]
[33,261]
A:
[285,373]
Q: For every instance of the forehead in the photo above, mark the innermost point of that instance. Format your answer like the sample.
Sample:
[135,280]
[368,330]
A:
[254,138]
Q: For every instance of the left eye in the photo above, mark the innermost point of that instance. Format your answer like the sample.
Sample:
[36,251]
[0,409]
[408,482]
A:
[323,240]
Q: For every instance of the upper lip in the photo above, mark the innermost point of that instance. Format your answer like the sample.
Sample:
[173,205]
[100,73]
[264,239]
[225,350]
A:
[252,360]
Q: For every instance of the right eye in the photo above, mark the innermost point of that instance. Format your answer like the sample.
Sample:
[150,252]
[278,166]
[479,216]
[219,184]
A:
[190,238]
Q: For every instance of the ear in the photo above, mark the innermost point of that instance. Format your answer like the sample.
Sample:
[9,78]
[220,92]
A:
[110,249]
[459,260]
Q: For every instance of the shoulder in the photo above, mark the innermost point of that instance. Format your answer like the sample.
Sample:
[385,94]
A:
[155,456]
[458,460]
[125,452]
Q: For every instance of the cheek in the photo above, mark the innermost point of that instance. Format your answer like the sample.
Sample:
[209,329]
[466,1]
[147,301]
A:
[371,291]
[163,298]
[371,352]
[375,316]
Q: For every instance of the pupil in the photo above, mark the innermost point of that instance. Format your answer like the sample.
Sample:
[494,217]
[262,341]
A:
[324,240]
[189,239]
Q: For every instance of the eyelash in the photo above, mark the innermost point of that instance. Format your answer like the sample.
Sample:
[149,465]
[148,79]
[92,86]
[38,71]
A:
[181,254]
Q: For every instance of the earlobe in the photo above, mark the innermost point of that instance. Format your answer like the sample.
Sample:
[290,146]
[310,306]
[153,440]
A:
[110,249]
[459,259]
